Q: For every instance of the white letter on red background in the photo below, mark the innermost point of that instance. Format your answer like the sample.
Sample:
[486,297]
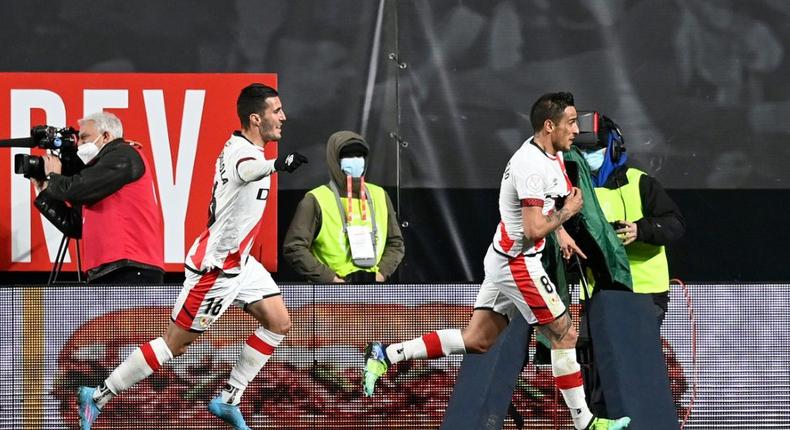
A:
[22,102]
[174,194]
[97,100]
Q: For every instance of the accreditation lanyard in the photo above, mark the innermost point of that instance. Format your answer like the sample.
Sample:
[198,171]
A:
[347,215]
[363,206]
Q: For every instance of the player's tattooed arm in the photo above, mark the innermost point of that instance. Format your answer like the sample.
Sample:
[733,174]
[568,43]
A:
[558,217]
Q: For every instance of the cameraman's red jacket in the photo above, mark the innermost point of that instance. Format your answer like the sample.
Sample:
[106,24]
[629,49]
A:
[121,222]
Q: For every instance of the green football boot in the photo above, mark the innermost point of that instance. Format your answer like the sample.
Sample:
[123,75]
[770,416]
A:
[607,424]
[376,365]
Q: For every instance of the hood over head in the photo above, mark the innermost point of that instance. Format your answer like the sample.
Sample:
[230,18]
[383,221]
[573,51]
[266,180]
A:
[353,144]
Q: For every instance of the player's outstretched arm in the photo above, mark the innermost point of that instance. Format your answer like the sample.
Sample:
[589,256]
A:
[255,169]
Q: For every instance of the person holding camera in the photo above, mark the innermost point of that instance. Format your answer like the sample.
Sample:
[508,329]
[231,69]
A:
[644,217]
[346,230]
[111,204]
[219,268]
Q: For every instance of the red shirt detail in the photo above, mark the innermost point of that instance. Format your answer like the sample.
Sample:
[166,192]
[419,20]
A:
[234,258]
[565,174]
[197,259]
[531,202]
[126,225]
[505,242]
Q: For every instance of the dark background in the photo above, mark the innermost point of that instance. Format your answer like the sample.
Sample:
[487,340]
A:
[731,235]
[442,89]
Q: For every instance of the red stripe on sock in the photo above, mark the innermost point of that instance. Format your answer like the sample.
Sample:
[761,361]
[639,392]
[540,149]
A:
[569,381]
[433,345]
[259,345]
[150,356]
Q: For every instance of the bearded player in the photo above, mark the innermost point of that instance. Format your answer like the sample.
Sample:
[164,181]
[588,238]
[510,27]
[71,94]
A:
[219,268]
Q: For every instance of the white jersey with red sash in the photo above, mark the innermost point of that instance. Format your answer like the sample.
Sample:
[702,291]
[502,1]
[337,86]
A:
[235,210]
[515,279]
[532,178]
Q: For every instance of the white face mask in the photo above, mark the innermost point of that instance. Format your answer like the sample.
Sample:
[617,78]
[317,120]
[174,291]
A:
[87,151]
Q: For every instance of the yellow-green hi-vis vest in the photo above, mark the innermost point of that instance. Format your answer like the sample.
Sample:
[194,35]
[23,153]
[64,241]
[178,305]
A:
[649,268]
[331,247]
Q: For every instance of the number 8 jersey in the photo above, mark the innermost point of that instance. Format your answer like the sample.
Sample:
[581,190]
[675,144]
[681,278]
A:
[532,178]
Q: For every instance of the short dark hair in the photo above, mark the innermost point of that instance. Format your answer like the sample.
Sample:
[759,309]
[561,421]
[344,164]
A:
[549,106]
[252,99]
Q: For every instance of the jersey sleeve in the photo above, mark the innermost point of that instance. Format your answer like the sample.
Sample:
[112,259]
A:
[529,181]
[247,164]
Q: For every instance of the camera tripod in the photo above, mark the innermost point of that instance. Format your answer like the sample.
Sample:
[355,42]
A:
[61,256]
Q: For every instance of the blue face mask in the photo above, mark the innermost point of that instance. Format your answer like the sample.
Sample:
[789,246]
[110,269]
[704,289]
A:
[594,158]
[353,166]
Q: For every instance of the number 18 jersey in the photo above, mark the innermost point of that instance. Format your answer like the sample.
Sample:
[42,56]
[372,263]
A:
[235,210]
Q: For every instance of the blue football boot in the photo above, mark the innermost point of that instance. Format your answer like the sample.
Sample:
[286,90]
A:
[87,407]
[231,414]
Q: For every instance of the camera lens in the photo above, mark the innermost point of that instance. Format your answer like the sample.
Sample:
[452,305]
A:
[20,161]
[30,166]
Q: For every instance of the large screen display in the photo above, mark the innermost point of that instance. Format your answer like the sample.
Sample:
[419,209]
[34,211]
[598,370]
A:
[727,365]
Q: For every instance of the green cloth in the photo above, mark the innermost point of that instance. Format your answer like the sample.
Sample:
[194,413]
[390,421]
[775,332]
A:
[555,267]
[603,236]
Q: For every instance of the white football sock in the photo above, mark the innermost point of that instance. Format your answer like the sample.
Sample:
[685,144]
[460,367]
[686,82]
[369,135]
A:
[435,344]
[255,353]
[140,364]
[568,377]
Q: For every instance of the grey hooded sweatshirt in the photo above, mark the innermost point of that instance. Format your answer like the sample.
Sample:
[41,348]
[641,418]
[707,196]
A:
[306,222]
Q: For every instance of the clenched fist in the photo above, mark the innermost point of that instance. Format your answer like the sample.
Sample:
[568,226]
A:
[289,162]
[574,201]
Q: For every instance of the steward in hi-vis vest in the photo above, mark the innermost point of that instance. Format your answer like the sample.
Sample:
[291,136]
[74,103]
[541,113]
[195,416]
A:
[345,230]
[640,211]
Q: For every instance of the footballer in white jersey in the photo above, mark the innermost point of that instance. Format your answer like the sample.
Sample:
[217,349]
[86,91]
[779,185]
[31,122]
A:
[532,178]
[235,210]
[515,280]
[220,271]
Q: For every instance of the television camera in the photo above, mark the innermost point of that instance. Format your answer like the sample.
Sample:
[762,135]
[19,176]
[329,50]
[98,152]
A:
[61,141]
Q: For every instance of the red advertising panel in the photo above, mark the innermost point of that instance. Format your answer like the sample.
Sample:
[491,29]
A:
[182,120]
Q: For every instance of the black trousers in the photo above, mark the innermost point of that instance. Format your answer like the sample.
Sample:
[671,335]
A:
[131,275]
[592,386]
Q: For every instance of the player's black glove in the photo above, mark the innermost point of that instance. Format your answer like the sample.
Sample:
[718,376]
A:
[289,162]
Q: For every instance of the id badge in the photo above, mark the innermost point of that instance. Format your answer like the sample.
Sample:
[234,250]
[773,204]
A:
[360,239]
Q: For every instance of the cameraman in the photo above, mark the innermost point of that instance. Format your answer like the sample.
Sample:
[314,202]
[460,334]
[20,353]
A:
[111,204]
